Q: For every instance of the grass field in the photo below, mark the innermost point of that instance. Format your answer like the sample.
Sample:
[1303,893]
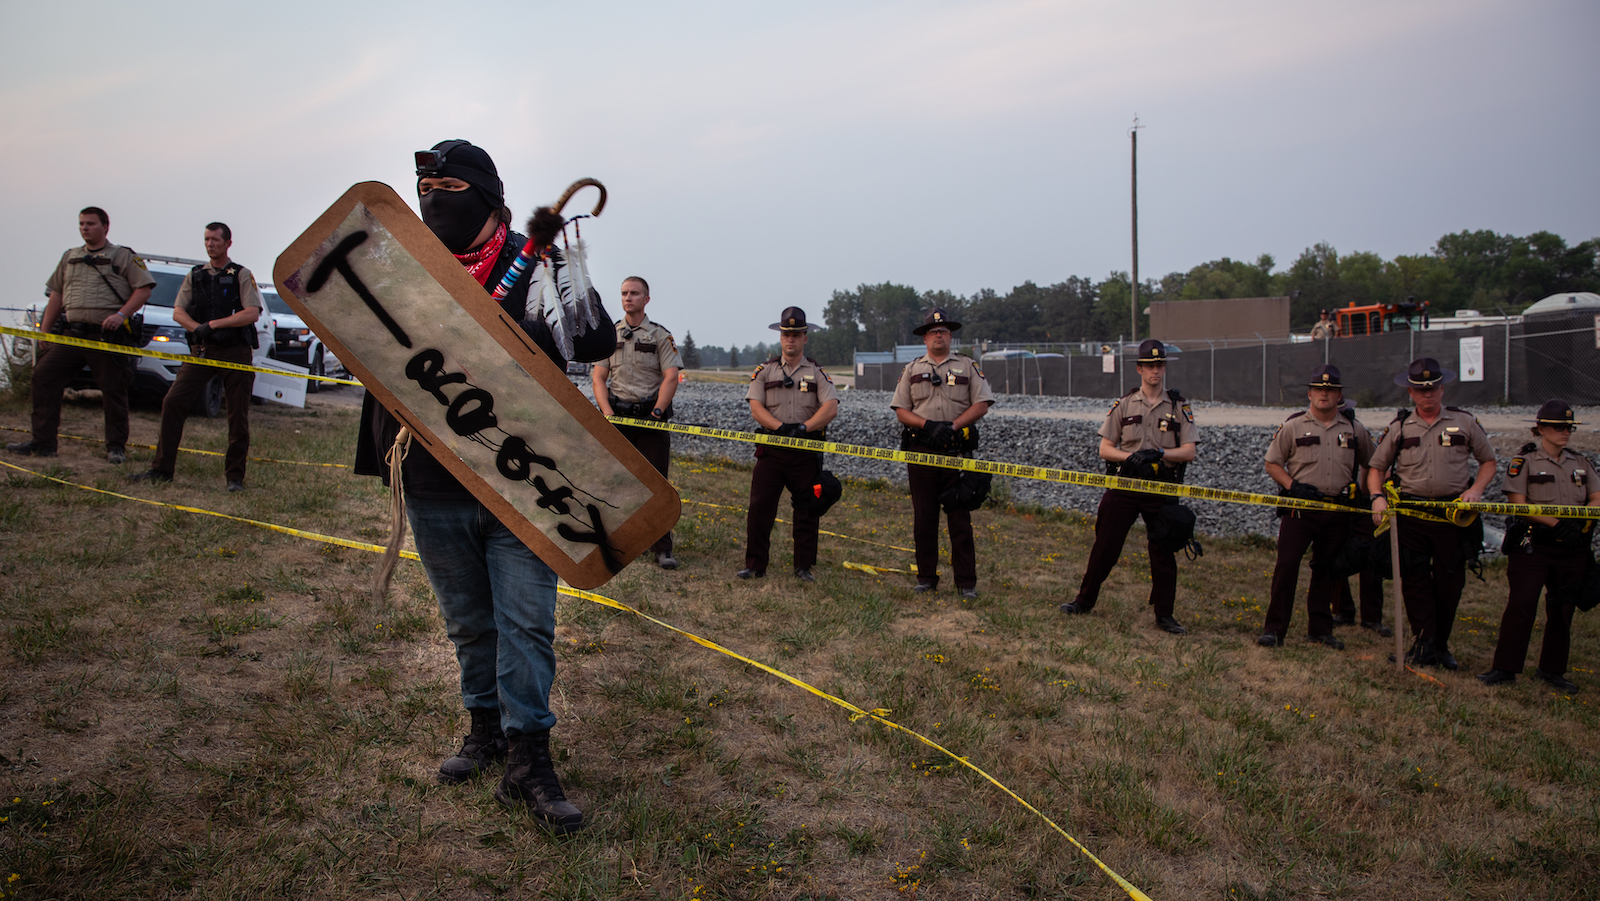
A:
[196,708]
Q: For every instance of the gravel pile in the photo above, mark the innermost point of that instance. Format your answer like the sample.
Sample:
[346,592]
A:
[1230,455]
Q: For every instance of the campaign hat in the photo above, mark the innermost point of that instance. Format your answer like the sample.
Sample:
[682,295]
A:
[935,318]
[1152,351]
[792,320]
[1425,372]
[1554,412]
[1326,376]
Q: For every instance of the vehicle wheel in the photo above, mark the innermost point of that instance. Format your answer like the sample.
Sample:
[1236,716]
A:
[316,369]
[209,402]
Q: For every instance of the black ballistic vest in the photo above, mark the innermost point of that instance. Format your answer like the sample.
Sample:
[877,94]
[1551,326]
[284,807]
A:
[214,295]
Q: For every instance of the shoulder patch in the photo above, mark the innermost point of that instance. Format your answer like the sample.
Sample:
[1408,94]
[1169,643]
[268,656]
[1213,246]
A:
[978,369]
[757,371]
[1515,469]
[1116,403]
[1188,413]
[139,261]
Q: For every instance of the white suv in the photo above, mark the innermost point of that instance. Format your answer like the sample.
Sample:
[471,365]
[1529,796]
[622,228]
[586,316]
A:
[292,341]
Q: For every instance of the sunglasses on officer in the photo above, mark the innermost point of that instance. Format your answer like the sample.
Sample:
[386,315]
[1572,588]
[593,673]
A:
[1559,426]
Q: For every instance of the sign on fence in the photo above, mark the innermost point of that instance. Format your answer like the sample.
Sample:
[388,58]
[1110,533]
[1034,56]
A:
[1472,359]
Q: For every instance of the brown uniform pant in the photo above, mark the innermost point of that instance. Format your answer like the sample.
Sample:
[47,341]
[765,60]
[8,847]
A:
[59,365]
[927,483]
[776,469]
[191,381]
[1432,590]
[655,446]
[1324,533]
[1529,572]
[1371,583]
[1116,515]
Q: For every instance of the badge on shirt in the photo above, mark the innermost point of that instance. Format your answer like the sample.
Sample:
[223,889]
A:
[1168,424]
[1579,477]
[807,385]
[950,377]
[1515,469]
[1346,440]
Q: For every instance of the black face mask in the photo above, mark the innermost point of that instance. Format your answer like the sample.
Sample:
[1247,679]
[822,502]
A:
[456,217]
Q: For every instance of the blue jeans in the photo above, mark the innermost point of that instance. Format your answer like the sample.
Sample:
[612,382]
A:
[499,607]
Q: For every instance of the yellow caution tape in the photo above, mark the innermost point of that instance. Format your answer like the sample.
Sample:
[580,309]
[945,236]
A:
[1095,480]
[1016,470]
[875,570]
[298,533]
[163,355]
[879,715]
[191,450]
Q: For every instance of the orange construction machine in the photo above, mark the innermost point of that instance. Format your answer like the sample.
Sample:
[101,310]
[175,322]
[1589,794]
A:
[1377,318]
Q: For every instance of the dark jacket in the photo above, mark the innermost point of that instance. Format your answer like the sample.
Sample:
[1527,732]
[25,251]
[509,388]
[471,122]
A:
[424,476]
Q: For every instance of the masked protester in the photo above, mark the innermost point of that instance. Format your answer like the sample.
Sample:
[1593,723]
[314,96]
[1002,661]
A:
[498,599]
[1543,552]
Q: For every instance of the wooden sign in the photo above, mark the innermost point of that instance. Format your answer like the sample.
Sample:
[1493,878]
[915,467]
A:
[478,394]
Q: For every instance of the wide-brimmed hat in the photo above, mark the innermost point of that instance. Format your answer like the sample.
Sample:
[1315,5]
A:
[1152,351]
[1554,412]
[1425,373]
[935,318]
[1326,376]
[792,320]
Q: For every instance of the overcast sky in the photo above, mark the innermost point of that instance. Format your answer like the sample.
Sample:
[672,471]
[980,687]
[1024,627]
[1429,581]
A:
[762,155]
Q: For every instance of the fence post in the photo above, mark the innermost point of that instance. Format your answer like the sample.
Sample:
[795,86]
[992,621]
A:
[1213,369]
[1067,352]
[1326,338]
[1505,396]
[1263,369]
[1120,367]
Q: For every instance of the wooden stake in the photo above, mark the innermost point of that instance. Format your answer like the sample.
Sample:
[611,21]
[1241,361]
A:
[1399,601]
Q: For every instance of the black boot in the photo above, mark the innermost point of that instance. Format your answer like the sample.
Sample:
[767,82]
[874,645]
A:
[530,779]
[482,746]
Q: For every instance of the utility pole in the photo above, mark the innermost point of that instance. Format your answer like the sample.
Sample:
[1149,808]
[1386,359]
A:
[1133,309]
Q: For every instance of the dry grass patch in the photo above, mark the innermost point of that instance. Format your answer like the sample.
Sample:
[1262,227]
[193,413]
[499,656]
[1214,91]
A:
[197,708]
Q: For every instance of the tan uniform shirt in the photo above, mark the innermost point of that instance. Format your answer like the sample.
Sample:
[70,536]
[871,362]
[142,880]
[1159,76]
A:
[1133,424]
[85,296]
[1327,456]
[1434,461]
[941,392]
[1321,331]
[640,362]
[810,389]
[249,291]
[1544,479]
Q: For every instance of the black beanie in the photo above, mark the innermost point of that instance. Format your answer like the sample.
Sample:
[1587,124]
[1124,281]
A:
[471,164]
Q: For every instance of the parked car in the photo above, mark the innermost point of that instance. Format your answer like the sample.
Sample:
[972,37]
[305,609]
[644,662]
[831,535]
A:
[293,342]
[154,376]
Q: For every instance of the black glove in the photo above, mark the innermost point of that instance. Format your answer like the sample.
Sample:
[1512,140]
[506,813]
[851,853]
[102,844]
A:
[940,435]
[204,332]
[791,430]
[1143,464]
[1303,491]
[1568,534]
[543,226]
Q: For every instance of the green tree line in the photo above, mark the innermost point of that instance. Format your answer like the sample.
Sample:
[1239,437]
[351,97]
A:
[1478,270]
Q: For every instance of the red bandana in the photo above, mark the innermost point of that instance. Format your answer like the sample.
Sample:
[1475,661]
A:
[480,262]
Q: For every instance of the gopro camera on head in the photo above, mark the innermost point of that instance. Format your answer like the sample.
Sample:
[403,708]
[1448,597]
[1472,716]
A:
[430,162]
